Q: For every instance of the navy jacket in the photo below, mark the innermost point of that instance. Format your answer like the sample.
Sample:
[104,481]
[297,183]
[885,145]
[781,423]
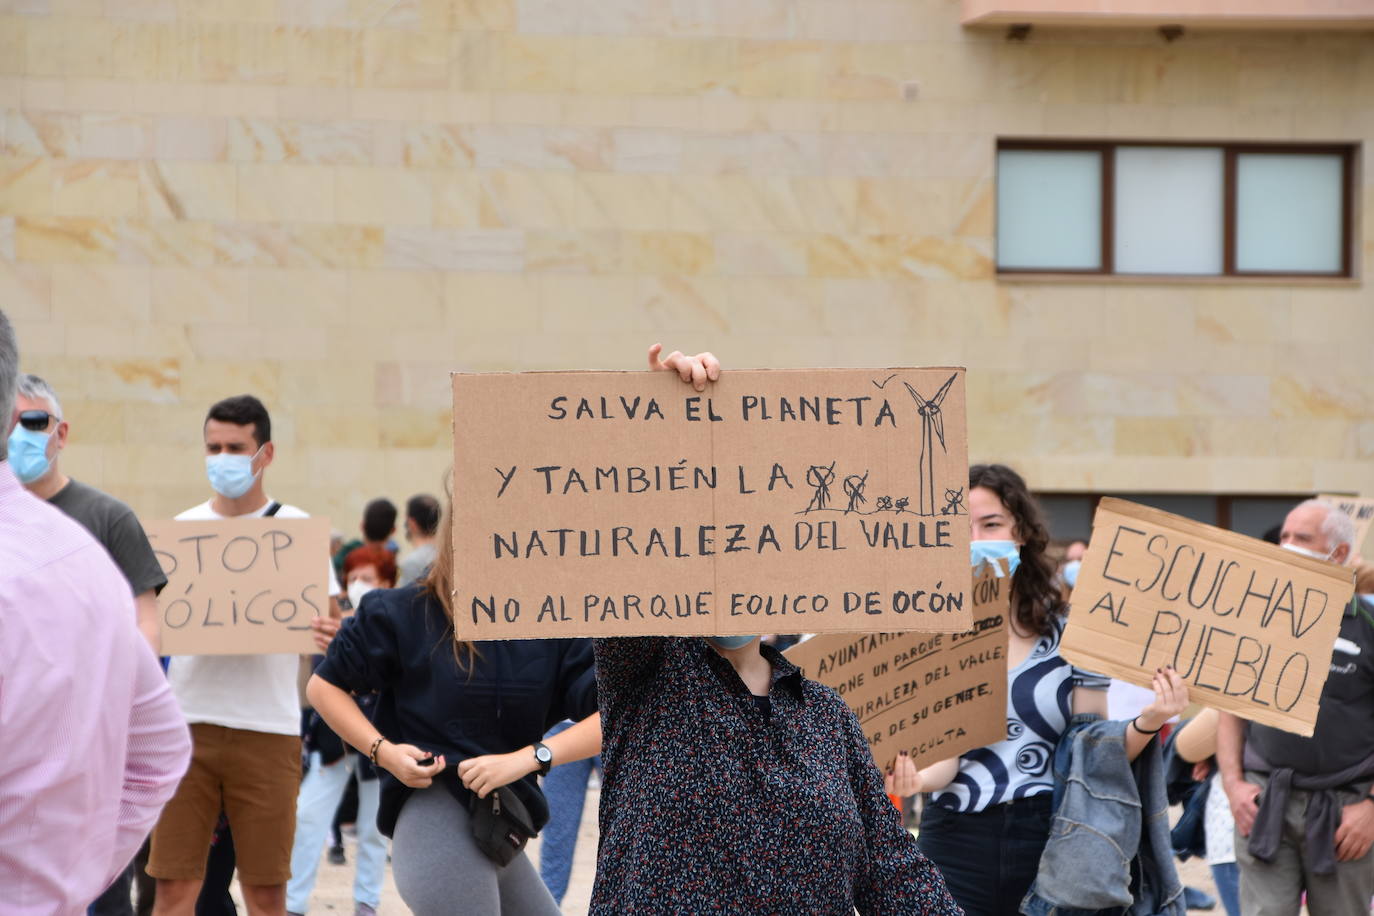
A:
[400,644]
[1108,850]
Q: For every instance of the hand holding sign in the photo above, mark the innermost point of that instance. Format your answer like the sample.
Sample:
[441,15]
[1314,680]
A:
[695,370]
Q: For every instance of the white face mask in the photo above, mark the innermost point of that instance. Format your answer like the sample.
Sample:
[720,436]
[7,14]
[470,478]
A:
[356,589]
[1304,552]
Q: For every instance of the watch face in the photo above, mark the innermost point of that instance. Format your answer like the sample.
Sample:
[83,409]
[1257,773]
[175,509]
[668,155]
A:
[543,754]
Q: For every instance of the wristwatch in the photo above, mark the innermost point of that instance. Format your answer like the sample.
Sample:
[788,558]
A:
[543,756]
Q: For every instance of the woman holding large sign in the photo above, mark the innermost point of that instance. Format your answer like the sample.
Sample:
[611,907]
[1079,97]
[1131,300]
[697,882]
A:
[485,710]
[987,817]
[734,784]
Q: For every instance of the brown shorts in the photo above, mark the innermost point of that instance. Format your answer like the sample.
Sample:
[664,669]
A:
[254,777]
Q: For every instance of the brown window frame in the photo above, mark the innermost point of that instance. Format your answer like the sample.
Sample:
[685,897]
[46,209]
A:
[1230,151]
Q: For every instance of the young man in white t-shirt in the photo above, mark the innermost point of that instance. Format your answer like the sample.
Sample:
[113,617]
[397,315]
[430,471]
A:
[243,710]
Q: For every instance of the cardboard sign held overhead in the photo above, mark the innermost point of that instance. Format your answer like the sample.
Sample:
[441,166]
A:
[1361,512]
[931,695]
[1249,626]
[626,503]
[241,586]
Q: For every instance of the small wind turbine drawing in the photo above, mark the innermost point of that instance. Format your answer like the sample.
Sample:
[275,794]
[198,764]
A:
[932,427]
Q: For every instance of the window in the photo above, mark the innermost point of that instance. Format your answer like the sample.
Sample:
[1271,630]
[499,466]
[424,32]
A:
[1070,515]
[1173,209]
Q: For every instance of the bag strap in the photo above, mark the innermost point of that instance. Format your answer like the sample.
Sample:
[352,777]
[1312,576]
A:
[272,510]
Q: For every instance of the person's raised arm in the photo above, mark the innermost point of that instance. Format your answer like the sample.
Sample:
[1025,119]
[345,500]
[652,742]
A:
[623,663]
[1240,794]
[1171,698]
[904,779]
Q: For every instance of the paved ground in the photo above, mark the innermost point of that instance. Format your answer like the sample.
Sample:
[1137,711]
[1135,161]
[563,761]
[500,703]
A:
[334,893]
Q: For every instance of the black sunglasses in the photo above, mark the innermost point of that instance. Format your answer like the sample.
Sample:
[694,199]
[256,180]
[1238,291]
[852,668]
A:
[36,420]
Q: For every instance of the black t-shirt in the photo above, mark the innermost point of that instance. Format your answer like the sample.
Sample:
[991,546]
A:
[116,527]
[1344,734]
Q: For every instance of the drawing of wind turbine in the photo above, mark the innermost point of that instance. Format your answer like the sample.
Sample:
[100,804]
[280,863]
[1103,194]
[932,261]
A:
[932,428]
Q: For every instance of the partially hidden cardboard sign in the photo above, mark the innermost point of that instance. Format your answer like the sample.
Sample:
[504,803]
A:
[933,695]
[1250,627]
[241,586]
[1361,512]
[784,501]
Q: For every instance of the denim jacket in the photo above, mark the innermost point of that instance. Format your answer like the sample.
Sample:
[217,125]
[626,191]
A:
[1109,847]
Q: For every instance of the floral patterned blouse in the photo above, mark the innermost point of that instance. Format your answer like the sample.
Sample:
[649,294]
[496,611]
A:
[708,806]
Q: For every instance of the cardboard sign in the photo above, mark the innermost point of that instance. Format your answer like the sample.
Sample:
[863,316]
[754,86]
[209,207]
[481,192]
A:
[626,503]
[241,586]
[1361,512]
[1249,626]
[931,695]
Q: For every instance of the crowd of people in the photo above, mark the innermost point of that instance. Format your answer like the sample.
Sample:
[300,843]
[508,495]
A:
[730,782]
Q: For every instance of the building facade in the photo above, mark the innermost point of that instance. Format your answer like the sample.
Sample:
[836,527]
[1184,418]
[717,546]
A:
[334,203]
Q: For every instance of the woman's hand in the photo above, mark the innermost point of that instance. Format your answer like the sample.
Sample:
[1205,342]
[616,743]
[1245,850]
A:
[490,772]
[324,629]
[403,762]
[1171,698]
[695,370]
[902,777]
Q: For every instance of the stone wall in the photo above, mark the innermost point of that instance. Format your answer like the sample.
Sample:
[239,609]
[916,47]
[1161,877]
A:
[333,203]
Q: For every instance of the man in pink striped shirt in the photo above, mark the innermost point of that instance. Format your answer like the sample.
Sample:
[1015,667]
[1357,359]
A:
[94,743]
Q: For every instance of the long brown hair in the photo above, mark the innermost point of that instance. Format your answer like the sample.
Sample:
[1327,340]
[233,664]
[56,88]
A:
[440,585]
[1035,597]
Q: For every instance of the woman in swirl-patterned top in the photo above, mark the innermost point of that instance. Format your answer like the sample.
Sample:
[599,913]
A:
[987,813]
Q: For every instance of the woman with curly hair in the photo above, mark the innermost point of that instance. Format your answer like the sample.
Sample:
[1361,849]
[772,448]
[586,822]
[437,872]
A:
[987,813]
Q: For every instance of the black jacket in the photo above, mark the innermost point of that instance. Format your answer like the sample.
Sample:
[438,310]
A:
[400,644]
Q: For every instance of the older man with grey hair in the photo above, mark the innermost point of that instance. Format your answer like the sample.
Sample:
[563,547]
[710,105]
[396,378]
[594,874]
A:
[35,449]
[95,743]
[1303,809]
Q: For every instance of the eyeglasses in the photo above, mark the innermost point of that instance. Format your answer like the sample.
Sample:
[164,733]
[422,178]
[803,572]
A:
[36,421]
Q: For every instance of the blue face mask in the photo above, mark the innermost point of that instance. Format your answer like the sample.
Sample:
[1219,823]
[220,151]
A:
[1070,572]
[231,476]
[981,552]
[29,454]
[730,642]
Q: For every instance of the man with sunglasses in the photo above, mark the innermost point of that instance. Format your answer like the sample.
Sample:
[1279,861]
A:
[35,447]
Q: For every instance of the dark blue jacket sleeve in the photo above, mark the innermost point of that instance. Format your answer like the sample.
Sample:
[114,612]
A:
[365,655]
[575,696]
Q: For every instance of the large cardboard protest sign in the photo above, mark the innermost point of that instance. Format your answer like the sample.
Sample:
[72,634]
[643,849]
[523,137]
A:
[1249,626]
[626,503]
[241,586]
[1361,512]
[933,695]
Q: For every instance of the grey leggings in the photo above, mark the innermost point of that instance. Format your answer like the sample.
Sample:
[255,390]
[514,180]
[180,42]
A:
[440,871]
